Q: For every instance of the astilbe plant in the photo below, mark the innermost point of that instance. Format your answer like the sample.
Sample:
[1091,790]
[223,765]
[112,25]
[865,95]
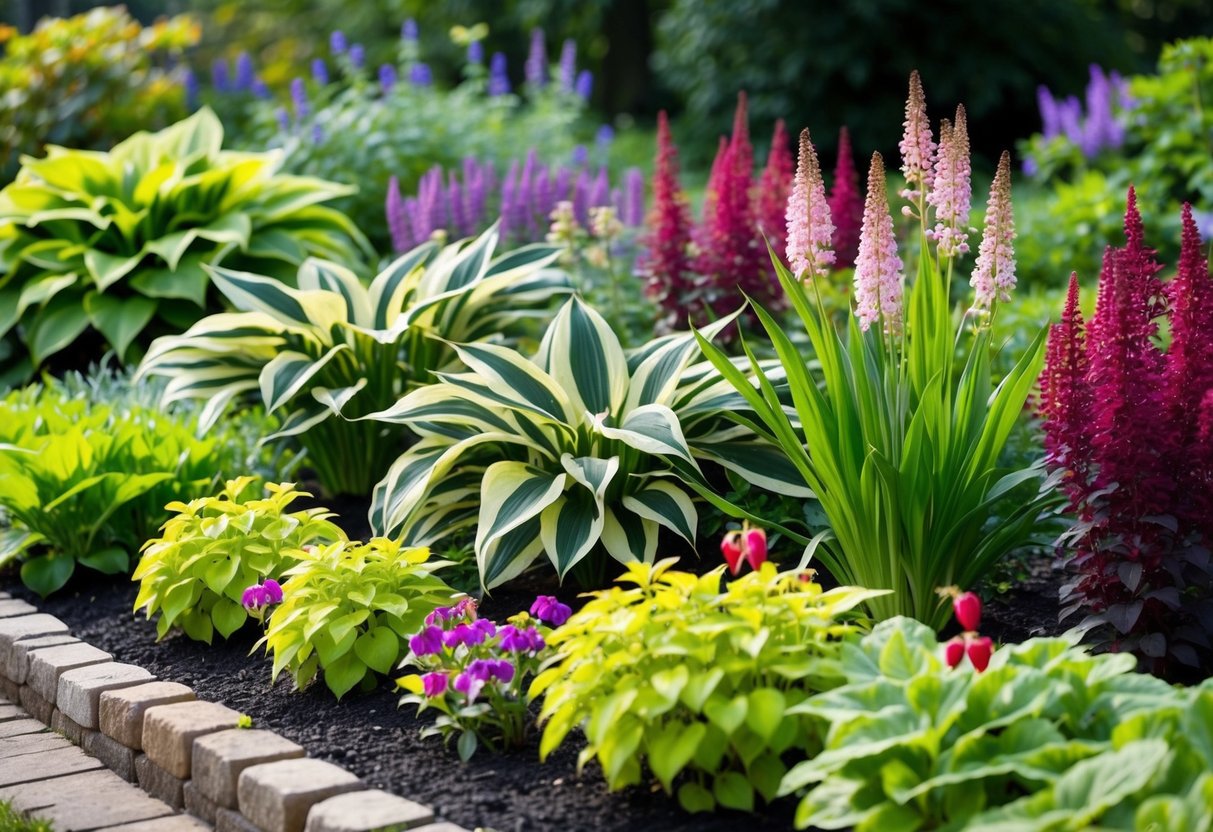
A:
[666,262]
[846,204]
[1127,426]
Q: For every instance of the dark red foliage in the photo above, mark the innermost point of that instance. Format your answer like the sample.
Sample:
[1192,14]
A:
[846,204]
[1130,429]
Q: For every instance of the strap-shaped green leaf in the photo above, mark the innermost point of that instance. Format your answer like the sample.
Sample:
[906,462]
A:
[518,378]
[254,293]
[321,275]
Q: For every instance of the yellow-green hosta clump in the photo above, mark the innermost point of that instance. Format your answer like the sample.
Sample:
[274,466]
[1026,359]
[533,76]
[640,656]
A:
[117,240]
[348,609]
[334,350]
[214,548]
[694,678]
[582,451]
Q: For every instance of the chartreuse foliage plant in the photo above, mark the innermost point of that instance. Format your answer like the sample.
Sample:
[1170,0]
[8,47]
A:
[1048,737]
[348,609]
[695,679]
[334,350]
[117,241]
[898,432]
[86,468]
[194,574]
[580,451]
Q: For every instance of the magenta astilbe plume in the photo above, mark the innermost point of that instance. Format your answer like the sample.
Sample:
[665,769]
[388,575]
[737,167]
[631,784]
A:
[952,190]
[917,145]
[846,204]
[810,231]
[1065,397]
[773,188]
[878,268]
[666,261]
[994,273]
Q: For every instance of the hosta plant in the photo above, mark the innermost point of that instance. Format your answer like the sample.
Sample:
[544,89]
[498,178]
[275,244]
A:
[897,435]
[117,241]
[348,609]
[194,575]
[86,468]
[334,350]
[579,452]
[693,678]
[910,744]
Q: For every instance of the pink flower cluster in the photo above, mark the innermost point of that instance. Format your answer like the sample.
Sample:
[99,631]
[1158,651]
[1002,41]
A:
[878,268]
[994,273]
[810,228]
[917,145]
[952,192]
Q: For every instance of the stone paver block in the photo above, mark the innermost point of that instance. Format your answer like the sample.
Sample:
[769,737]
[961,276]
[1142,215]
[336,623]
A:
[365,812]
[31,744]
[22,627]
[440,827]
[17,666]
[10,689]
[10,607]
[68,727]
[30,768]
[85,801]
[227,820]
[48,664]
[116,756]
[170,823]
[121,711]
[169,732]
[8,712]
[38,706]
[219,758]
[278,796]
[159,783]
[198,804]
[20,727]
[80,689]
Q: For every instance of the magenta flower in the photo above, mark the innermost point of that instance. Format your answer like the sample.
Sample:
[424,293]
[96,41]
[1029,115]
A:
[427,642]
[434,684]
[917,147]
[469,635]
[951,194]
[994,274]
[258,597]
[465,608]
[273,591]
[810,229]
[550,611]
[878,278]
[480,672]
[846,205]
[526,640]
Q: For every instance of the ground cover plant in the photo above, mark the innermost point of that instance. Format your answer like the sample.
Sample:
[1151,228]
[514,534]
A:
[897,435]
[117,241]
[581,452]
[333,350]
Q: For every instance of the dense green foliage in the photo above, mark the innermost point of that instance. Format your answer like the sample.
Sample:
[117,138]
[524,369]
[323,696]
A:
[13,821]
[214,548]
[118,241]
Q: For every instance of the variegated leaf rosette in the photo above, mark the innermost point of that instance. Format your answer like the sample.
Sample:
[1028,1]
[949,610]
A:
[333,350]
[579,451]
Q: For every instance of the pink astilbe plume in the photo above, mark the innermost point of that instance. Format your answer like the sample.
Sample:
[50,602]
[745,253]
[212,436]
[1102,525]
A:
[667,262]
[878,268]
[773,187]
[917,146]
[951,192]
[994,273]
[1065,398]
[846,204]
[810,231]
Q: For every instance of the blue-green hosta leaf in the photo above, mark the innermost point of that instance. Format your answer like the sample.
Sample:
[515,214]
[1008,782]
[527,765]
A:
[653,429]
[570,528]
[583,356]
[628,537]
[1095,785]
[667,504]
[513,493]
[9,314]
[321,275]
[119,320]
[289,372]
[58,324]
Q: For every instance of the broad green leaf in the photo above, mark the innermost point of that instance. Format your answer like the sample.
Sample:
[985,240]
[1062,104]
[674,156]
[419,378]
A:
[119,320]
[46,573]
[672,748]
[341,675]
[379,648]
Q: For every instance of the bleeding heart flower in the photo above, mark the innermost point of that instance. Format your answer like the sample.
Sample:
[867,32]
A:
[980,649]
[755,546]
[730,547]
[967,607]
[954,652]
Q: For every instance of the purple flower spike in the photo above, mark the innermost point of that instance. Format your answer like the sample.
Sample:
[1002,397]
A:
[357,56]
[244,71]
[260,90]
[397,224]
[408,31]
[475,52]
[581,155]
[190,82]
[605,135]
[537,60]
[434,684]
[568,65]
[299,99]
[320,72]
[585,84]
[421,75]
[284,119]
[317,134]
[427,642]
[220,78]
[549,610]
[387,77]
[499,80]
[337,43]
[632,214]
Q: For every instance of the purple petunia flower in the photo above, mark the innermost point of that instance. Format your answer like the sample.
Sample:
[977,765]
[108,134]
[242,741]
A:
[470,634]
[320,72]
[427,642]
[526,640]
[421,75]
[273,591]
[434,684]
[259,596]
[549,610]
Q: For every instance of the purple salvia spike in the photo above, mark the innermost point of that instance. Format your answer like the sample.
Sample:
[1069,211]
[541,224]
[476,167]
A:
[244,71]
[581,198]
[220,75]
[396,221]
[508,194]
[1049,117]
[525,219]
[537,61]
[632,214]
[600,191]
[454,204]
[564,179]
[568,65]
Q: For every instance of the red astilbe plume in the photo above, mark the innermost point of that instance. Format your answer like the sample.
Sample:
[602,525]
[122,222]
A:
[773,189]
[846,204]
[667,261]
[1065,399]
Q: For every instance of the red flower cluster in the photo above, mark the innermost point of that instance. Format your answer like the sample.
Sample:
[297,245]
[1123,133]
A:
[669,224]
[846,204]
[1129,427]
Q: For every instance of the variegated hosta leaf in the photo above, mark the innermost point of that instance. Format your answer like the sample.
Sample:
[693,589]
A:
[628,537]
[319,310]
[583,356]
[760,463]
[653,429]
[665,503]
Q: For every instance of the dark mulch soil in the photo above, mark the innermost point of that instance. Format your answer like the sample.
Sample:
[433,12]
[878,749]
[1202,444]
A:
[1029,607]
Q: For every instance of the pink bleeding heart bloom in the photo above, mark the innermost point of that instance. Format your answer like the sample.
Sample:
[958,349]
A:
[748,545]
[730,547]
[755,546]
[967,607]
[979,651]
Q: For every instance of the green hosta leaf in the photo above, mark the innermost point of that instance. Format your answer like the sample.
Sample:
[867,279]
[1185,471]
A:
[321,275]
[109,561]
[570,527]
[55,327]
[289,372]
[221,572]
[344,673]
[764,712]
[513,493]
[653,429]
[46,573]
[667,504]
[38,292]
[119,320]
[107,269]
[672,748]
[628,537]
[379,648]
[253,293]
[197,625]
[188,281]
[228,616]
[1095,785]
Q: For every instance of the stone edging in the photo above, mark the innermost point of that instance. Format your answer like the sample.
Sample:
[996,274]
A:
[187,752]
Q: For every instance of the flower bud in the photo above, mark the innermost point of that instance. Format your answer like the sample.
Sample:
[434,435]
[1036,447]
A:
[731,549]
[756,547]
[953,652]
[979,650]
[967,607]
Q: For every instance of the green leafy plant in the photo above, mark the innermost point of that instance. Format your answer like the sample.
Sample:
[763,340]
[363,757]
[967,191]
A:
[348,608]
[89,81]
[899,437]
[194,574]
[580,449]
[334,350]
[117,241]
[696,680]
[911,745]
[86,469]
